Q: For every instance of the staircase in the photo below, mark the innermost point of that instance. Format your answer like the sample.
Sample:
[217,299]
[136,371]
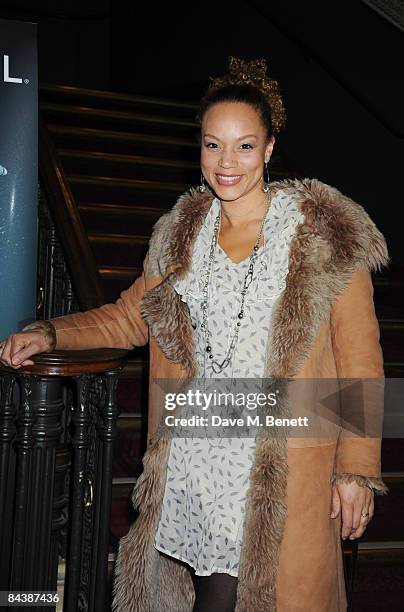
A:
[127,158]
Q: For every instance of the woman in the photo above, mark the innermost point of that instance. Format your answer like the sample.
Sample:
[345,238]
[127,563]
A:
[244,279]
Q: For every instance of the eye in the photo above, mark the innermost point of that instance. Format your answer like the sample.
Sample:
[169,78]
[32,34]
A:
[246,146]
[211,145]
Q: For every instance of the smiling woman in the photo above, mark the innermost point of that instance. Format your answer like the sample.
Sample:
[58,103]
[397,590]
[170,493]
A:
[244,278]
[247,517]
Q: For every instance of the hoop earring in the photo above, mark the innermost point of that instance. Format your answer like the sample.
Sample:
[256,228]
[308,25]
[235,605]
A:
[202,186]
[265,186]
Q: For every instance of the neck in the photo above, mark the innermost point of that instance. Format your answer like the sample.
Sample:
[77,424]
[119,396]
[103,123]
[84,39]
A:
[240,211]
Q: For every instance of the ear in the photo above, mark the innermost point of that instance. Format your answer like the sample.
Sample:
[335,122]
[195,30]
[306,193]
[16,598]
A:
[269,148]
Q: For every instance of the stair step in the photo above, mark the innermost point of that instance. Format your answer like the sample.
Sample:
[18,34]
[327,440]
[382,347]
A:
[116,249]
[389,293]
[132,396]
[122,513]
[127,273]
[132,389]
[131,421]
[392,454]
[128,166]
[117,279]
[118,218]
[392,324]
[130,444]
[379,582]
[394,547]
[394,369]
[135,366]
[114,100]
[111,119]
[387,523]
[108,190]
[124,142]
[392,339]
[126,482]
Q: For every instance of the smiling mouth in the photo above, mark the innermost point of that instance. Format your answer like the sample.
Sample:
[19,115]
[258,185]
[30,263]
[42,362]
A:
[228,179]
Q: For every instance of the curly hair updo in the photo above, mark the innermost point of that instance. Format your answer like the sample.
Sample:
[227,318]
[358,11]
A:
[247,82]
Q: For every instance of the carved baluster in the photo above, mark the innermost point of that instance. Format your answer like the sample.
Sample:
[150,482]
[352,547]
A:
[39,425]
[8,411]
[23,445]
[80,441]
[86,593]
[107,433]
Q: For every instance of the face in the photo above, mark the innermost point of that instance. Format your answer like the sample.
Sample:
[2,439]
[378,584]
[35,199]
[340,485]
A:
[233,150]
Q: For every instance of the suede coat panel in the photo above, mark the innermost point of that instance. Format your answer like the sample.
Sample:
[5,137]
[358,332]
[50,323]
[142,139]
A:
[322,325]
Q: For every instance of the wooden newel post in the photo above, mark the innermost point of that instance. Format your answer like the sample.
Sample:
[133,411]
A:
[39,427]
[57,431]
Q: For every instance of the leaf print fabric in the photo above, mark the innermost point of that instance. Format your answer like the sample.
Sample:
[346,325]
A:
[203,507]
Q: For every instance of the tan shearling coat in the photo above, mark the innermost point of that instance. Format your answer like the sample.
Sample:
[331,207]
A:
[323,326]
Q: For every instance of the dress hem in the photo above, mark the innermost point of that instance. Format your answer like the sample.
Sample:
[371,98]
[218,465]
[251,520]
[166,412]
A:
[197,572]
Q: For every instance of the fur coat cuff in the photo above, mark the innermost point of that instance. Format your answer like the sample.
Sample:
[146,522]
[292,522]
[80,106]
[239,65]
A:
[47,329]
[376,484]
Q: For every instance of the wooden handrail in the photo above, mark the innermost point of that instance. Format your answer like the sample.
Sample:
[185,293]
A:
[85,277]
[72,363]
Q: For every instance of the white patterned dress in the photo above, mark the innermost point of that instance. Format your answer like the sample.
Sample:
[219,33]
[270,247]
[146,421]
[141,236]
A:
[203,507]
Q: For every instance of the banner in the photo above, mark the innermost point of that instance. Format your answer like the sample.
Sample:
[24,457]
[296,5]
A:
[18,175]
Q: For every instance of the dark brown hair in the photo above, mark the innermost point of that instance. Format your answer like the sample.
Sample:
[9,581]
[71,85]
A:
[247,94]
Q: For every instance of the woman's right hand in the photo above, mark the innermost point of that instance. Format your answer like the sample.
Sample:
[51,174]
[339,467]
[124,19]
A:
[15,350]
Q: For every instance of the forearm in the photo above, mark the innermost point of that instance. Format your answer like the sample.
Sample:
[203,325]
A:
[105,327]
[113,325]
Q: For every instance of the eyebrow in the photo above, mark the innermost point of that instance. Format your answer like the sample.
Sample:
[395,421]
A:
[241,138]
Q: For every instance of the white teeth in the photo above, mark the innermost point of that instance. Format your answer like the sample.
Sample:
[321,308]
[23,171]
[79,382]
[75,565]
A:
[228,179]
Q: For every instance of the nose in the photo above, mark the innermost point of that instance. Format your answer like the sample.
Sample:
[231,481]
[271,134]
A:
[226,160]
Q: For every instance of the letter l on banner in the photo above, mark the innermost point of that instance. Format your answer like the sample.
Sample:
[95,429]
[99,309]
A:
[18,175]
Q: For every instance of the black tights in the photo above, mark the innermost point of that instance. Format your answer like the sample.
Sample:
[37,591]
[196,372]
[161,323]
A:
[214,593]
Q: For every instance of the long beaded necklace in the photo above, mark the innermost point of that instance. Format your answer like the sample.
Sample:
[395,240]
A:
[217,366]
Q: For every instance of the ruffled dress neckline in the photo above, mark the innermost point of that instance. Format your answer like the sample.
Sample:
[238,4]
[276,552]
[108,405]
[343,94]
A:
[272,263]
